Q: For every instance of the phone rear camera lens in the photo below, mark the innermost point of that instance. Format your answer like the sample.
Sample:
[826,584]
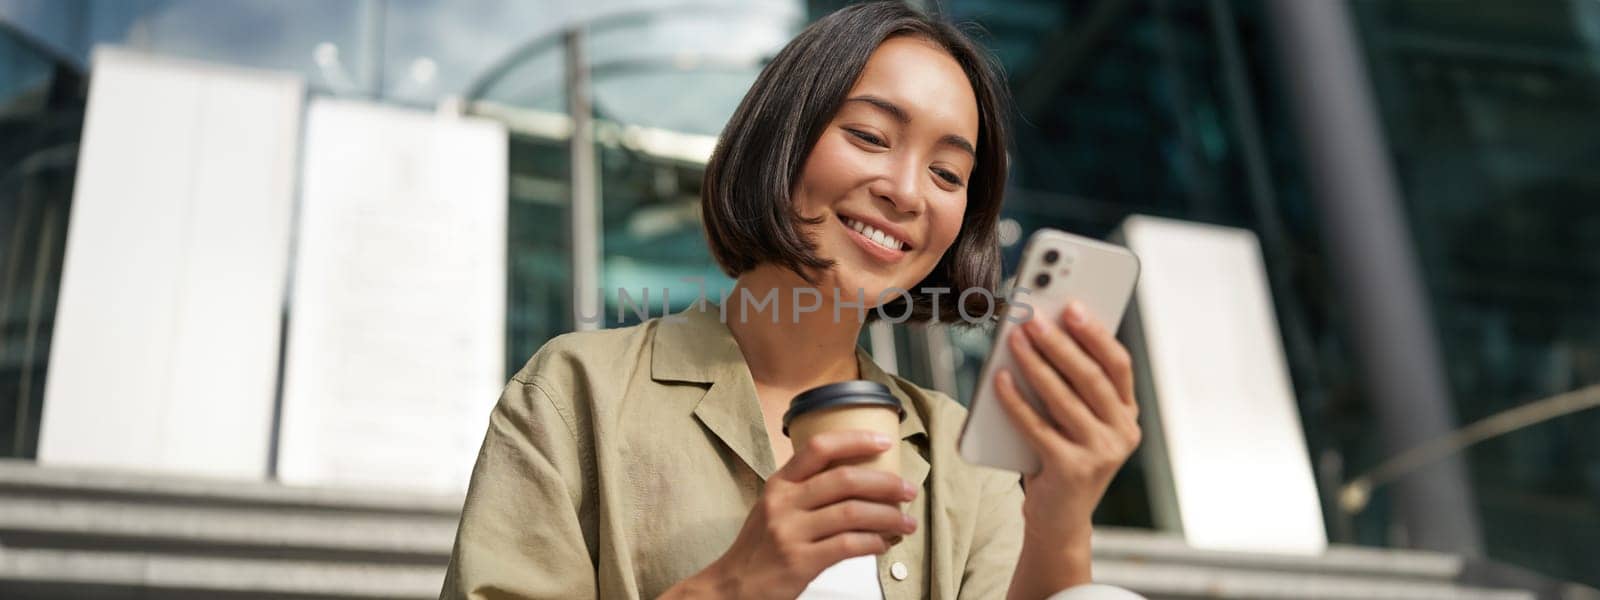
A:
[1042,280]
[1051,256]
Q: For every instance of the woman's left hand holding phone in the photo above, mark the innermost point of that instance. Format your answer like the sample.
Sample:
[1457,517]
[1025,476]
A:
[1083,378]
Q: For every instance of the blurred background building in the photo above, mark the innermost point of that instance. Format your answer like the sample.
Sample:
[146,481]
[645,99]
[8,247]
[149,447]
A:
[1473,188]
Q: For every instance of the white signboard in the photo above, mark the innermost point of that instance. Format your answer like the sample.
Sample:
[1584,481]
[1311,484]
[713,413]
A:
[165,350]
[1228,455]
[397,319]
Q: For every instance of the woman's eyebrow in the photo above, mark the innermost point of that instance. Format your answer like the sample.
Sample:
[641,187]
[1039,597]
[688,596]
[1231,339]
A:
[894,110]
[959,143]
[899,114]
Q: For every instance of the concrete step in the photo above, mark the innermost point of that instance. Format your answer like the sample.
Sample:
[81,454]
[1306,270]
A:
[84,533]
[81,574]
[1146,546]
[86,509]
[21,476]
[1180,580]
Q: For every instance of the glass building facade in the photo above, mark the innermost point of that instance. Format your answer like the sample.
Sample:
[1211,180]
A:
[42,97]
[1161,107]
[1489,111]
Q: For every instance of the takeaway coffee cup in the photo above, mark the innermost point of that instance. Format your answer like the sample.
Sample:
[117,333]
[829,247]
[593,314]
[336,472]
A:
[848,405]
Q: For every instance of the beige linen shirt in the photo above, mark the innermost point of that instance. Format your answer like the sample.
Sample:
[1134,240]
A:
[620,462]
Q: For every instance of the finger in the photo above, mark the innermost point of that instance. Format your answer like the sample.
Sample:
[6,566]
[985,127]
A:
[1104,347]
[856,515]
[1091,382]
[845,545]
[825,448]
[1039,434]
[1060,401]
[843,483]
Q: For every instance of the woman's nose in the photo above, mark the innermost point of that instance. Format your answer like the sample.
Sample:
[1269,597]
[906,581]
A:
[902,190]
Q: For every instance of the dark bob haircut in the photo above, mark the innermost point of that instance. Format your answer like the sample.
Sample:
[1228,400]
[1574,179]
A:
[746,197]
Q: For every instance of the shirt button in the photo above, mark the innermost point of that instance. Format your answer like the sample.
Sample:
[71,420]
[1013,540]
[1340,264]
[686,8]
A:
[898,571]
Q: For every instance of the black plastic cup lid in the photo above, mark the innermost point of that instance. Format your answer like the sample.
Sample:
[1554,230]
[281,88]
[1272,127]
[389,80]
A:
[859,392]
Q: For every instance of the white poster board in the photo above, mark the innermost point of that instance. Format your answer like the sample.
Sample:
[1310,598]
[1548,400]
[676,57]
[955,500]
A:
[1227,456]
[397,327]
[165,350]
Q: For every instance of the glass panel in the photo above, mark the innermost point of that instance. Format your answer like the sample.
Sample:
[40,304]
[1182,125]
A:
[329,43]
[685,70]
[435,49]
[41,119]
[1490,113]
[673,72]
[539,276]
[1123,108]
[653,241]
[655,70]
[535,82]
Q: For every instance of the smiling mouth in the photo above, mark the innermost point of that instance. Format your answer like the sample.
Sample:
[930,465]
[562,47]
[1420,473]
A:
[874,235]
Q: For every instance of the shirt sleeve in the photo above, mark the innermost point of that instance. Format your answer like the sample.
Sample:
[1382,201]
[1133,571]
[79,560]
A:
[522,531]
[997,538]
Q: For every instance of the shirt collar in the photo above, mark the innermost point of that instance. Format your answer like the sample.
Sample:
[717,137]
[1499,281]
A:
[696,346]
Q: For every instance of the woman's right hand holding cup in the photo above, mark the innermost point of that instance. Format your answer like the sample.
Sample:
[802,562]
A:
[809,517]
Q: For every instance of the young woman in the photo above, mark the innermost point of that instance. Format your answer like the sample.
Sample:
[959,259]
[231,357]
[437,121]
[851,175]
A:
[649,461]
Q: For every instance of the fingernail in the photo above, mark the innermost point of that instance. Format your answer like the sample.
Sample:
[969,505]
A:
[1016,340]
[906,491]
[910,522]
[880,440]
[1075,314]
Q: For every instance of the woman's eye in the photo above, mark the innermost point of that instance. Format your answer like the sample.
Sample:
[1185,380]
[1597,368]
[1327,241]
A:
[947,176]
[866,137]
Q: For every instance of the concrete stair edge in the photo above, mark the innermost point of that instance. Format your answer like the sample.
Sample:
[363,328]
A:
[156,572]
[28,475]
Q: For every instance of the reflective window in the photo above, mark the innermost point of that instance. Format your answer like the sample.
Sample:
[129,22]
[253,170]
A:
[663,84]
[1163,108]
[539,271]
[1489,110]
[330,43]
[41,118]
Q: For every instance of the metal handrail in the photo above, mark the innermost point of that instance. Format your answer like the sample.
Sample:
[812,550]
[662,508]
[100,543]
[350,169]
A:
[1357,493]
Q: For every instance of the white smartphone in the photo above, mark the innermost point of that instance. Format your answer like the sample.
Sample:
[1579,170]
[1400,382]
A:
[1056,268]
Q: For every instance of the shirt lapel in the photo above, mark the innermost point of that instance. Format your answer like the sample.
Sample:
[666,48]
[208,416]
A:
[913,434]
[696,346]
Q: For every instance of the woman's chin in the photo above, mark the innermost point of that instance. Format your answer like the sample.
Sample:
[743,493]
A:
[860,283]
[867,292]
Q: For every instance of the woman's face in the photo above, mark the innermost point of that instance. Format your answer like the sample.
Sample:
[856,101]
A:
[889,174]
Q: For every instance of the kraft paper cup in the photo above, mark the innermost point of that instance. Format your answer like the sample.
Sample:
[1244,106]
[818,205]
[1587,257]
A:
[845,406]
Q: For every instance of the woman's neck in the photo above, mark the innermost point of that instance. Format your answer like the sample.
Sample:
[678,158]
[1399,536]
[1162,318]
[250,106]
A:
[802,349]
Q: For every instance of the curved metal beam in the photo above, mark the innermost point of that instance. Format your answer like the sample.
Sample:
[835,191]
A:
[554,39]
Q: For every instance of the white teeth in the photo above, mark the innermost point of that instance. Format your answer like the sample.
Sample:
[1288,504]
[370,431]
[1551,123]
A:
[872,233]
